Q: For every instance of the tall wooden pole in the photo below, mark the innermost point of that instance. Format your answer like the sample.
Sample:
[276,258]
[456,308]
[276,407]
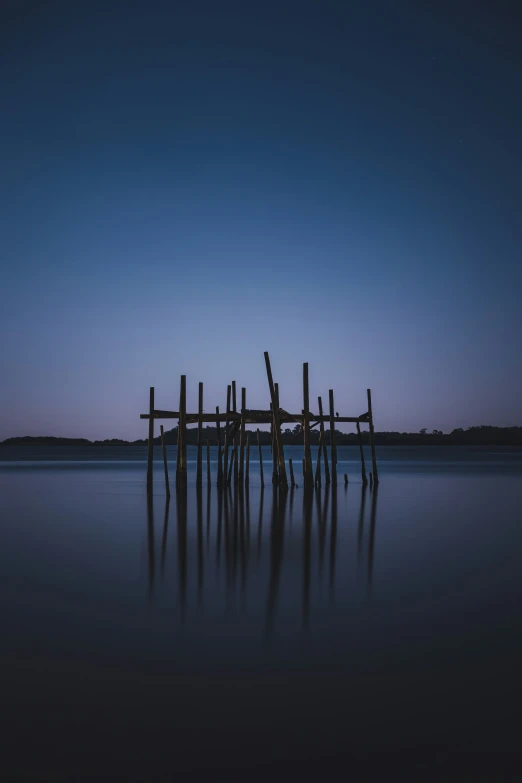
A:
[363,466]
[181,471]
[199,474]
[235,453]
[332,437]
[227,436]
[275,473]
[260,460]
[150,453]
[165,466]
[372,439]
[220,456]
[241,473]
[308,474]
[280,451]
[322,440]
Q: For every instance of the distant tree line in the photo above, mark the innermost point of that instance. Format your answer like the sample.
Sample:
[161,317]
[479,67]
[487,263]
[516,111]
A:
[479,436]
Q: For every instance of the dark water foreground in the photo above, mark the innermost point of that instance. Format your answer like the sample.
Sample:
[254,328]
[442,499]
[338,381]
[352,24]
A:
[241,636]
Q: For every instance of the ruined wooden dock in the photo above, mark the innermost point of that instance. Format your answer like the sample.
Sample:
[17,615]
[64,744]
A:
[236,443]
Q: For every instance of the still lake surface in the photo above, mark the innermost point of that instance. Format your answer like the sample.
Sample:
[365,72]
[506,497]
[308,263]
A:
[248,635]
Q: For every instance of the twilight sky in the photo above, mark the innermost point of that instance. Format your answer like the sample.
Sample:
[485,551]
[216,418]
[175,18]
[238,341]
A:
[187,184]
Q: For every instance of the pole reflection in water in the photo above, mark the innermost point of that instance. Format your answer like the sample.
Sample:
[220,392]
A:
[371,545]
[181,507]
[278,580]
[165,532]
[150,542]
[277,535]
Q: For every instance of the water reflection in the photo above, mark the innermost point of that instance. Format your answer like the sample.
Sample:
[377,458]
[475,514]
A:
[298,536]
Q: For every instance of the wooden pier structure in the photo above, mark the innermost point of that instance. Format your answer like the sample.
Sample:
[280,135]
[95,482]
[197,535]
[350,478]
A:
[231,453]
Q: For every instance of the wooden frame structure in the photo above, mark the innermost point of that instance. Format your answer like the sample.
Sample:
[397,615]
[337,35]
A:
[236,438]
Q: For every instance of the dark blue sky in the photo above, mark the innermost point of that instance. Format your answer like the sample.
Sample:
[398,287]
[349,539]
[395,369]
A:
[187,184]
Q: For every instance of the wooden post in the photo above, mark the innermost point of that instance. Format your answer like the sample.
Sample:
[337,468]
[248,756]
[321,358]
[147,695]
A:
[273,449]
[199,474]
[150,453]
[247,466]
[323,440]
[225,451]
[220,462]
[280,451]
[292,480]
[231,466]
[235,454]
[260,460]
[346,479]
[372,440]
[208,463]
[332,437]
[308,476]
[167,487]
[363,466]
[241,473]
[318,466]
[304,472]
[181,470]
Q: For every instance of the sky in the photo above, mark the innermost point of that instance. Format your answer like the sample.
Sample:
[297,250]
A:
[185,185]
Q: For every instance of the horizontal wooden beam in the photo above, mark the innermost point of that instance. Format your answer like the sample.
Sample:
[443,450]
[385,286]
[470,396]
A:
[251,417]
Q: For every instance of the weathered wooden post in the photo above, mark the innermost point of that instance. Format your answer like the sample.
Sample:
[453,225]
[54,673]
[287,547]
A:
[247,466]
[199,474]
[234,409]
[241,474]
[332,437]
[273,449]
[208,463]
[292,480]
[227,435]
[318,466]
[167,487]
[280,451]
[219,455]
[372,438]
[181,469]
[363,466]
[308,475]
[260,460]
[322,439]
[150,453]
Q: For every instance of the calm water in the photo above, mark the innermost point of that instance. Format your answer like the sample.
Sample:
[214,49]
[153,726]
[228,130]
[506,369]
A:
[240,636]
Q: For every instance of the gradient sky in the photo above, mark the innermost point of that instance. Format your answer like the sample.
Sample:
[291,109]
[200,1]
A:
[187,184]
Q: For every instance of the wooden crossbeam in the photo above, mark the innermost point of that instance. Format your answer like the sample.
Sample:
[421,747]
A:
[253,417]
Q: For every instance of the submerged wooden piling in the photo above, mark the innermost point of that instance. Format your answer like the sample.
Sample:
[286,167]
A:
[323,440]
[333,447]
[292,480]
[308,474]
[363,466]
[208,464]
[241,473]
[260,460]
[150,451]
[167,487]
[199,473]
[372,439]
[318,465]
[235,440]
[227,436]
[247,466]
[283,481]
[219,455]
[346,479]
